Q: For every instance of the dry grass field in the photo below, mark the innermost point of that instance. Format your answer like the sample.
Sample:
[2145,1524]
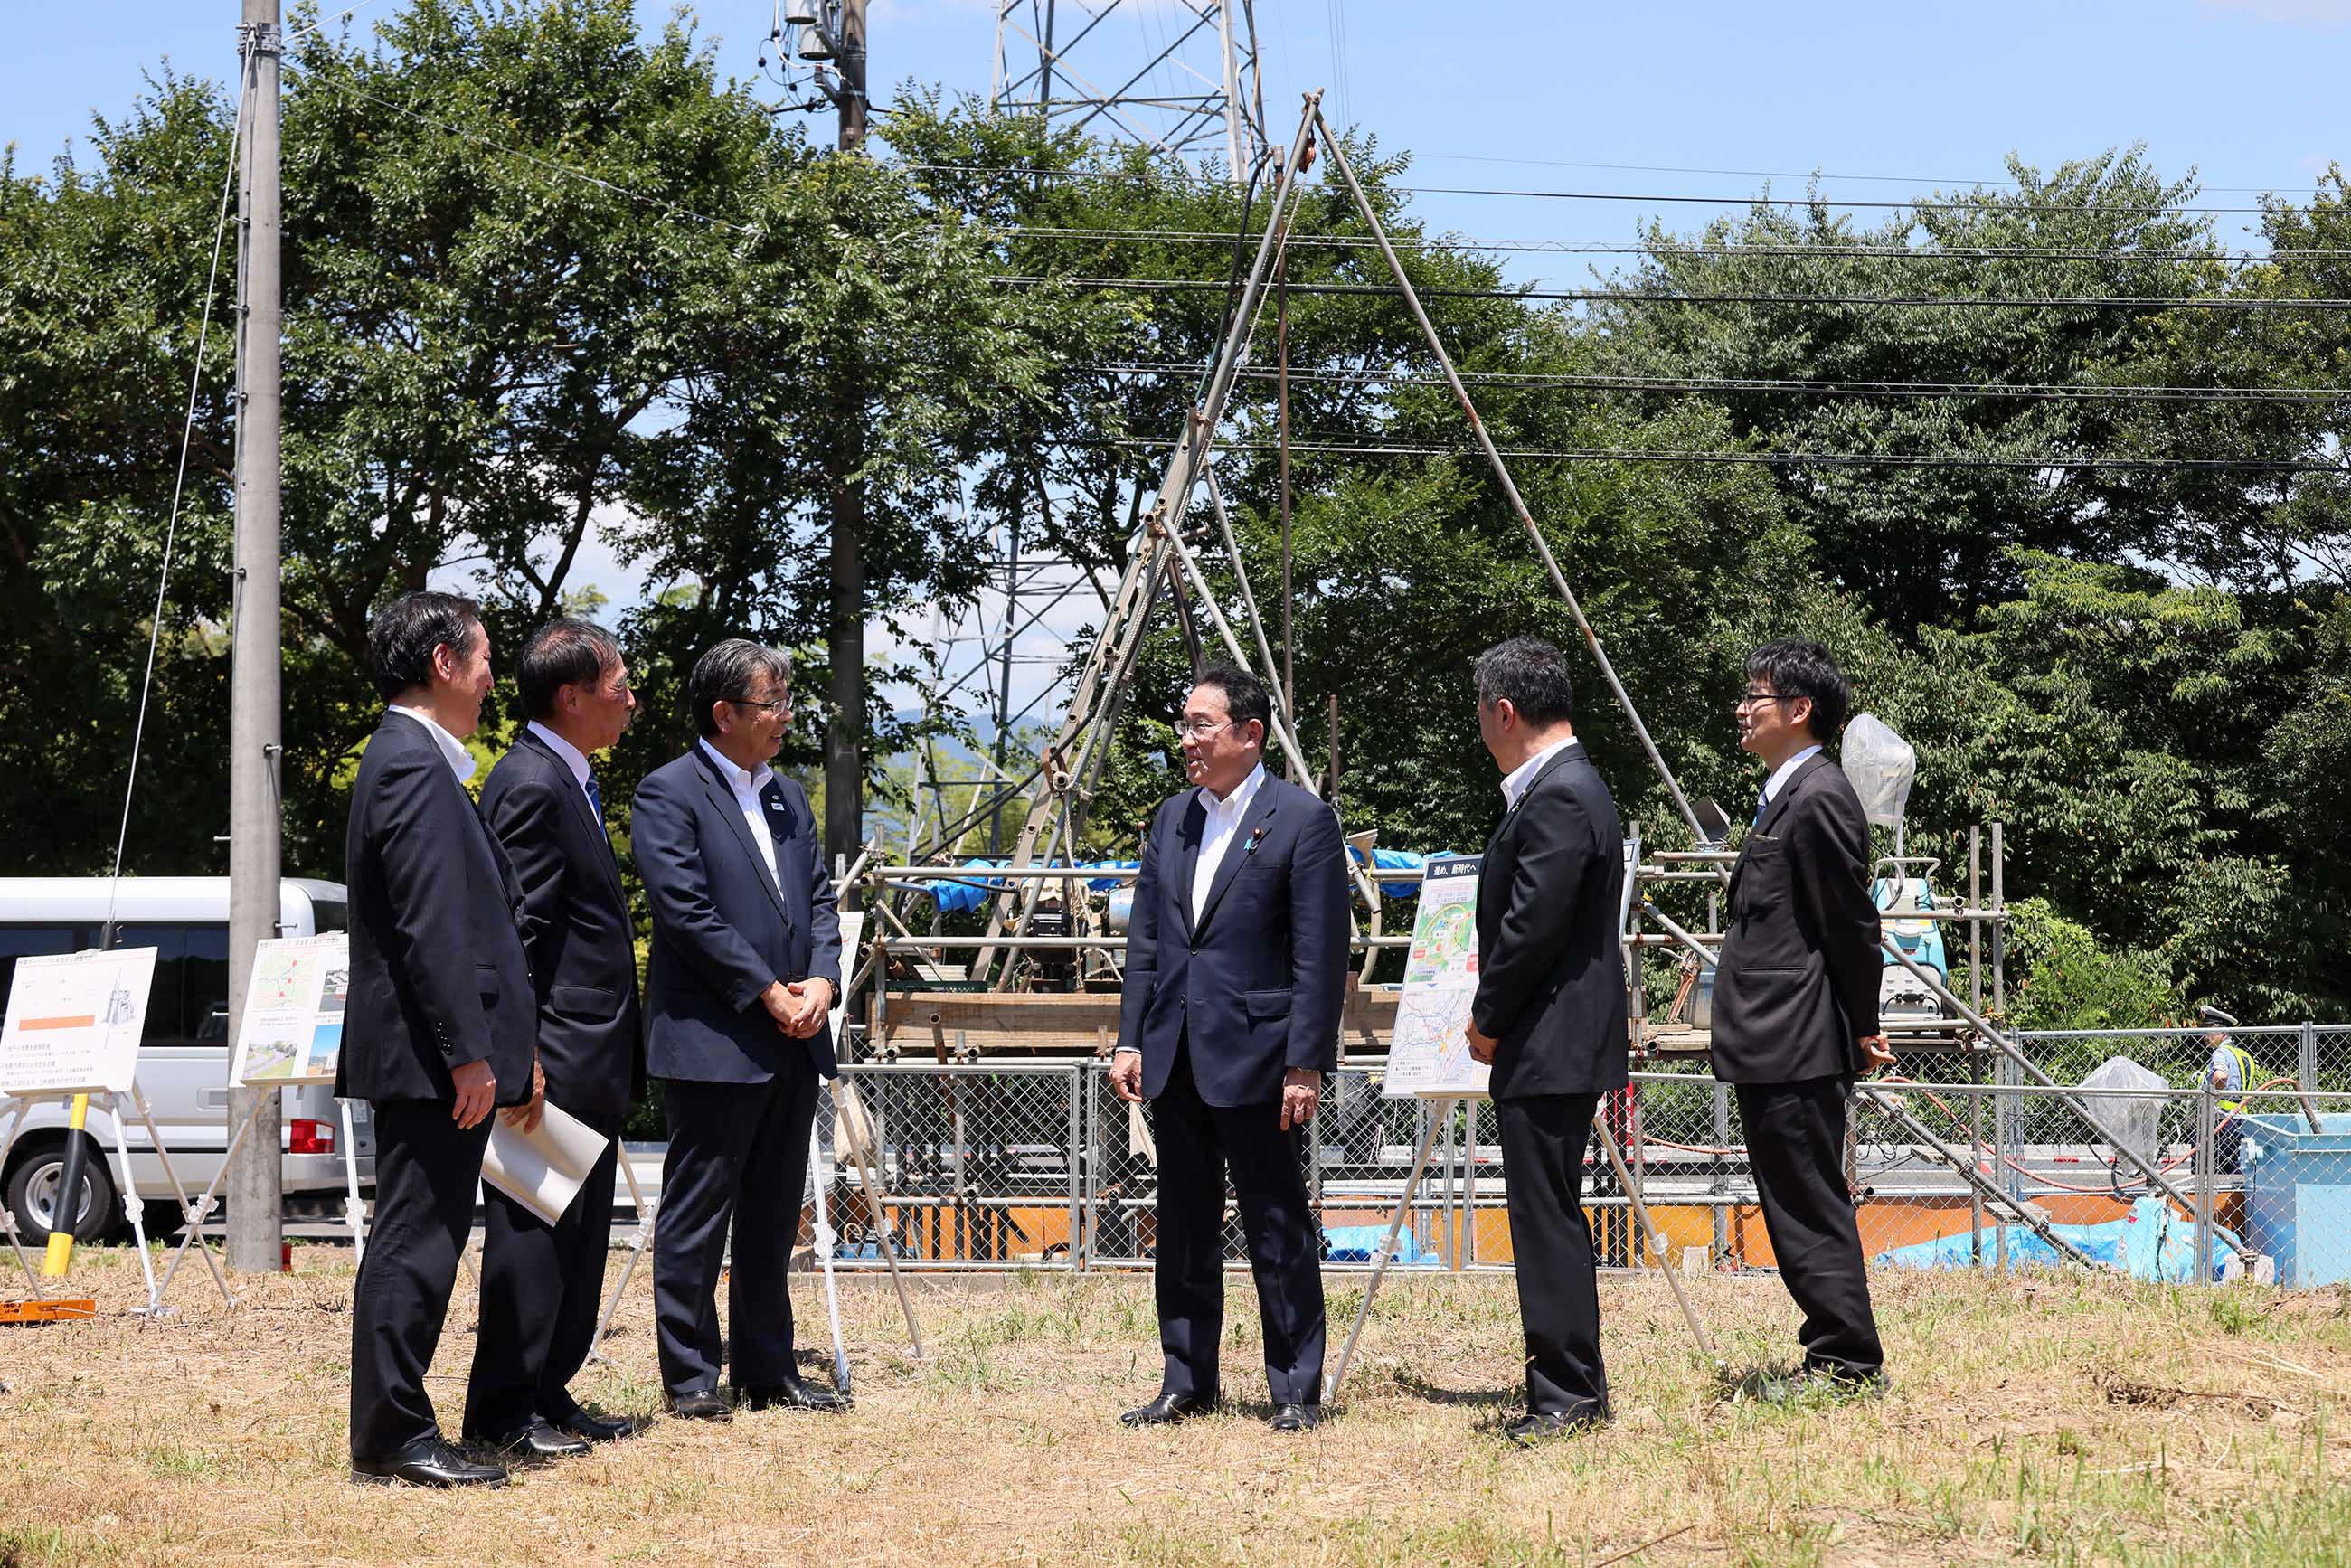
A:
[2032,1419]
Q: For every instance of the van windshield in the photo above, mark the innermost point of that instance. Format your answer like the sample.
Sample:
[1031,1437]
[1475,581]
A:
[326,916]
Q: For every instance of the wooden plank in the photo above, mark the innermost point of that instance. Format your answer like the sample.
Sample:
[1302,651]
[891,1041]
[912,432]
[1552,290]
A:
[1064,1023]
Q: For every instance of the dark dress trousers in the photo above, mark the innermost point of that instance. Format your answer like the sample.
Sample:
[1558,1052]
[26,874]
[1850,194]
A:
[1550,992]
[438,979]
[542,1284]
[740,1093]
[1795,992]
[1220,1010]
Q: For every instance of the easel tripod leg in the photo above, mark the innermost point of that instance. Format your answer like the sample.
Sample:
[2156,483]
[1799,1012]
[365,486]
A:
[636,1250]
[204,1206]
[187,1211]
[1657,1243]
[823,1239]
[1443,1113]
[133,1205]
[21,1108]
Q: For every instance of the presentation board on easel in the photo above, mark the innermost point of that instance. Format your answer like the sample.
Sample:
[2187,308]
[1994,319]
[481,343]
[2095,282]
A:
[1428,1054]
[74,1022]
[292,1030]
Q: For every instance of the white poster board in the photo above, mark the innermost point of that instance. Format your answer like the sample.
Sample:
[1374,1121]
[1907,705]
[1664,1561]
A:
[1429,1053]
[292,1028]
[73,1022]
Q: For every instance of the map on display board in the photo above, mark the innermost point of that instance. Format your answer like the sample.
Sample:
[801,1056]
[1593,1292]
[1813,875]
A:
[74,1022]
[1429,1053]
[292,1030]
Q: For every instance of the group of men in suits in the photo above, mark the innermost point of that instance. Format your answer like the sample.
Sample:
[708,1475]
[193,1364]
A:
[494,971]
[1236,954]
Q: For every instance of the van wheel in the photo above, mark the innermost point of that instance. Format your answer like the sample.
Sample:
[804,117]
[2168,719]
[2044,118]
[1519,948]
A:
[32,1195]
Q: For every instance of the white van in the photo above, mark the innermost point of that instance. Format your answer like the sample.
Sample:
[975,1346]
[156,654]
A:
[183,1058]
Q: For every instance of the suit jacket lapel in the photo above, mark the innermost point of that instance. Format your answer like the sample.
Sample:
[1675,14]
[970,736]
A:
[1237,850]
[1772,811]
[586,810]
[723,797]
[1191,827]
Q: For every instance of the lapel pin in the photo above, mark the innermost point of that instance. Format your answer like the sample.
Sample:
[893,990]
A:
[1255,838]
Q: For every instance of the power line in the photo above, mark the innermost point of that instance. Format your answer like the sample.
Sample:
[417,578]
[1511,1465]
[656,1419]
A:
[1725,253]
[1772,459]
[1183,176]
[1635,296]
[2044,391]
[1767,173]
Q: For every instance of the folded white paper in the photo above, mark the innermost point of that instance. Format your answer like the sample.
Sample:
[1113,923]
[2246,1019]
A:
[543,1170]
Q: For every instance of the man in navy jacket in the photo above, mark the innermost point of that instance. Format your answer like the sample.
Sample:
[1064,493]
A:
[1235,966]
[541,1283]
[745,963]
[439,1026]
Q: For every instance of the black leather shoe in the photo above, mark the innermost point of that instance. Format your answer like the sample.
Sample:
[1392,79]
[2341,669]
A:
[1295,1418]
[791,1394]
[594,1428]
[1167,1410]
[535,1442]
[434,1463]
[1534,1427]
[703,1404]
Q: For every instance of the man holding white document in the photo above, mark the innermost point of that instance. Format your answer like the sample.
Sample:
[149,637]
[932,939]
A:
[542,1280]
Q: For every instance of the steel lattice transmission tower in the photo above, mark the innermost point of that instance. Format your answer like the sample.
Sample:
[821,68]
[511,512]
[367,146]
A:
[1180,76]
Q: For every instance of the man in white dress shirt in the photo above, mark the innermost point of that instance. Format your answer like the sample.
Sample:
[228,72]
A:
[1236,963]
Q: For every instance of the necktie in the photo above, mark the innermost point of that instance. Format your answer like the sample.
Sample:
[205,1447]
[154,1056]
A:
[595,796]
[1762,804]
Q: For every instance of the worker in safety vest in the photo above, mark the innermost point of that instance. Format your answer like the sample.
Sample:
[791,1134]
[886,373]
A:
[2232,1071]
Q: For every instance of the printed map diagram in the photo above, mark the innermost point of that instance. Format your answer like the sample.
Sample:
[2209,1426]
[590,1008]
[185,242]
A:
[292,1031]
[1429,1054]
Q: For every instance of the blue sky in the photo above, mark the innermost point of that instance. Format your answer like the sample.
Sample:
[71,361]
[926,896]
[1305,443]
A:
[1887,99]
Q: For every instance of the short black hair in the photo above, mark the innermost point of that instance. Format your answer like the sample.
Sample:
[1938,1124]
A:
[404,633]
[1533,674]
[1798,667]
[724,675]
[1245,697]
[563,652]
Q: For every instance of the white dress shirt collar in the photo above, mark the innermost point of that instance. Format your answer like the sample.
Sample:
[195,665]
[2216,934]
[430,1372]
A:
[460,760]
[573,757]
[1216,835]
[749,800]
[1236,803]
[1517,781]
[1782,774]
[732,771]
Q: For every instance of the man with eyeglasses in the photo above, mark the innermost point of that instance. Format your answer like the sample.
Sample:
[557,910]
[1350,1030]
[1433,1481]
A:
[1795,1000]
[745,962]
[541,1283]
[1236,964]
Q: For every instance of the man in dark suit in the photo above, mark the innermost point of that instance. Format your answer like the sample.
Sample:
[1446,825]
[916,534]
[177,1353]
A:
[1795,998]
[1236,963]
[541,1283]
[1549,1013]
[745,963]
[439,1022]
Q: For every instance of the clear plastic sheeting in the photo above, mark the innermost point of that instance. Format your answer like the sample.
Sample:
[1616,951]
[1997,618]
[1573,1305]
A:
[2129,1121]
[1881,765]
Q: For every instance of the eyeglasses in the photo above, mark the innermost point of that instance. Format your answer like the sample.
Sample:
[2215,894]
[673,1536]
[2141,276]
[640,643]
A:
[1201,728]
[781,705]
[1751,699]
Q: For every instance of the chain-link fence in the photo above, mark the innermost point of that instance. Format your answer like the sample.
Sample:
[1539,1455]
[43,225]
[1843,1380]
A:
[2175,1154]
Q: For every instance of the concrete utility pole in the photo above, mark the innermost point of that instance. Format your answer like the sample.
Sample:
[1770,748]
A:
[255,1179]
[845,767]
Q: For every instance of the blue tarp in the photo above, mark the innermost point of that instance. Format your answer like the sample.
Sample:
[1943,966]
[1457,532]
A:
[971,892]
[1356,1243]
[1398,860]
[2151,1242]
